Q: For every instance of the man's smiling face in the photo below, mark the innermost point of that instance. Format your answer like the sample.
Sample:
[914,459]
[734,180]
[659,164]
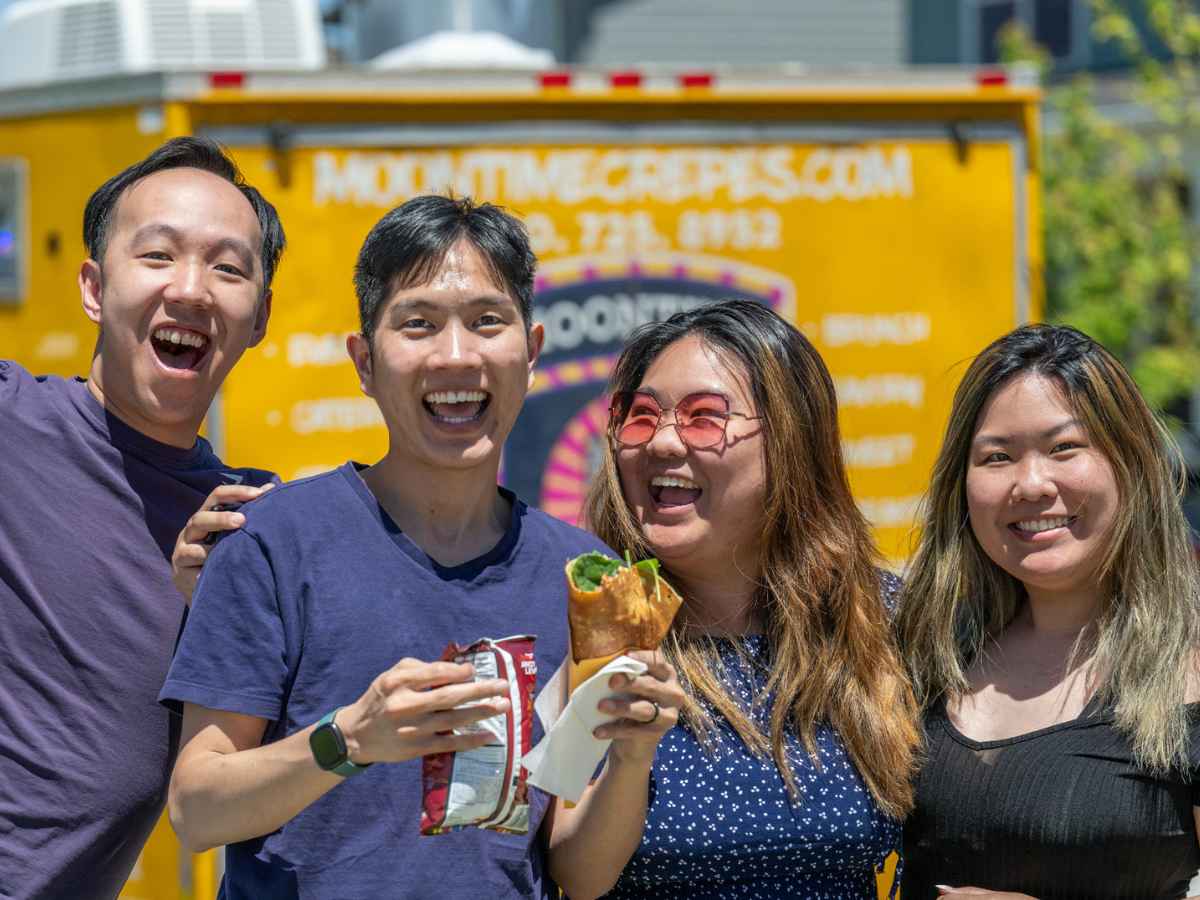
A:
[178,297]
[449,364]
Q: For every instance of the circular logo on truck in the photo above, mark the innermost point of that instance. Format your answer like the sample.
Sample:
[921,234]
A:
[588,306]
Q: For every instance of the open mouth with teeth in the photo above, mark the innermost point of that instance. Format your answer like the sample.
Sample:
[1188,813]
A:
[671,490]
[456,407]
[1031,527]
[179,348]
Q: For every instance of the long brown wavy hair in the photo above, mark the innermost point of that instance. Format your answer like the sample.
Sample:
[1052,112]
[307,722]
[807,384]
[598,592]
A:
[832,655]
[956,599]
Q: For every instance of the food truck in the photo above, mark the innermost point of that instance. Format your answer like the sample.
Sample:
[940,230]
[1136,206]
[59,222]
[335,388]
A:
[893,216]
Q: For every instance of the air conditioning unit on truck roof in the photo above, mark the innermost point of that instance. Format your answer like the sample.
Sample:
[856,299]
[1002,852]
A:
[43,41]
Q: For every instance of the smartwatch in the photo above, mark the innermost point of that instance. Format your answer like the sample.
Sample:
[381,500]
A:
[328,746]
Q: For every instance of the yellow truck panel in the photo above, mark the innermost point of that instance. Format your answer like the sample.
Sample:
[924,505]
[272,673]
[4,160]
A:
[896,257]
[896,224]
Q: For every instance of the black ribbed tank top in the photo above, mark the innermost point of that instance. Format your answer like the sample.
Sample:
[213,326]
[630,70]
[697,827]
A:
[1060,814]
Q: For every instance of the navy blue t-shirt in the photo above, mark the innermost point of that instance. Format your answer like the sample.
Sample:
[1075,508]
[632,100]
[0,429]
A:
[298,612]
[89,513]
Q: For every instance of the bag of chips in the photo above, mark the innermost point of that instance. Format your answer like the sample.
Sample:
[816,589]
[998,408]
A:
[485,787]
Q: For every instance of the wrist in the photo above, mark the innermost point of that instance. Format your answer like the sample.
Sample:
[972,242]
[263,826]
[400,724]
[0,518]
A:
[347,722]
[631,760]
[329,747]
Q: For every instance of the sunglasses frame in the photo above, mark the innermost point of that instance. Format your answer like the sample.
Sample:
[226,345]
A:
[615,427]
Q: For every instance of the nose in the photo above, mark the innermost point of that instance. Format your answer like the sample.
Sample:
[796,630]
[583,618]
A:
[456,348]
[1033,479]
[187,285]
[666,442]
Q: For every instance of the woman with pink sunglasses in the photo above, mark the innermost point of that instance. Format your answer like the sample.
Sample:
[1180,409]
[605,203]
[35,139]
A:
[788,771]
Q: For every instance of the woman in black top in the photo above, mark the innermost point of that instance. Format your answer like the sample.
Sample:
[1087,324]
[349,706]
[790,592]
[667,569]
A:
[1050,623]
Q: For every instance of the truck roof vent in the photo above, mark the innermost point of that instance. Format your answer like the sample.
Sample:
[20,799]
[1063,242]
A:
[225,32]
[43,41]
[169,31]
[283,31]
[89,39]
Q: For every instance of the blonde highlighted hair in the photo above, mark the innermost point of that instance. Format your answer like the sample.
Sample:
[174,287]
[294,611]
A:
[956,599]
[832,656]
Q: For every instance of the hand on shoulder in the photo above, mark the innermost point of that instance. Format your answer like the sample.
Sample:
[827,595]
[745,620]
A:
[217,514]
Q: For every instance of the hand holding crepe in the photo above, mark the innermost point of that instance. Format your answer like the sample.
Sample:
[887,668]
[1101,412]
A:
[614,607]
[624,709]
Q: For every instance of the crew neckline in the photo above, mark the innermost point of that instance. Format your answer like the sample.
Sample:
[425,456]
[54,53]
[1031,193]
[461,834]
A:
[467,571]
[125,437]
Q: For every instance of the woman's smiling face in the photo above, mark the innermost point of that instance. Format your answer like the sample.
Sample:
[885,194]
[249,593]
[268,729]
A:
[696,507]
[1041,497]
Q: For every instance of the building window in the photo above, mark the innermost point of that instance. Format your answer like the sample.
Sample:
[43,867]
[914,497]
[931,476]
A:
[993,17]
[14,197]
[1052,26]
[1058,25]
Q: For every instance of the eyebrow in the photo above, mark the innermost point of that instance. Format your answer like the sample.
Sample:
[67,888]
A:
[238,248]
[713,392]
[1004,441]
[417,304]
[157,229]
[720,392]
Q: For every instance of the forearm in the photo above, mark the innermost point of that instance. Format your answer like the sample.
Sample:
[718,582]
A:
[219,798]
[591,844]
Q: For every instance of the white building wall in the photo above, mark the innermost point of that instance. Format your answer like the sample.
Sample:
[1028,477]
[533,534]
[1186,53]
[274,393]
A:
[705,32]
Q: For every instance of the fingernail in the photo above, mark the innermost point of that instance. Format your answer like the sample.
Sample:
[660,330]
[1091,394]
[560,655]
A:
[238,519]
[599,734]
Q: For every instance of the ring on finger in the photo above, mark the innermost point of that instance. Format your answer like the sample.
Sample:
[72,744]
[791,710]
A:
[657,710]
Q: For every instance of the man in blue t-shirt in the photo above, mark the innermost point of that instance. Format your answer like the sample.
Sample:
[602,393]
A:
[322,613]
[98,478]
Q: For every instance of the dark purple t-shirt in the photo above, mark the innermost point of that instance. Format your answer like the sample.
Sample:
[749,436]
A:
[298,612]
[89,513]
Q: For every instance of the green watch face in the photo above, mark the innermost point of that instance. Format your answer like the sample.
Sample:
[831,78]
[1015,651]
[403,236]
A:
[328,746]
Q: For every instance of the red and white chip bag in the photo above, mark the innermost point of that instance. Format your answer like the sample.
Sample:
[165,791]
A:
[485,787]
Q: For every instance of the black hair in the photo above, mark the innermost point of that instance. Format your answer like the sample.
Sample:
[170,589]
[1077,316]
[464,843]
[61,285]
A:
[1053,351]
[407,247]
[182,153]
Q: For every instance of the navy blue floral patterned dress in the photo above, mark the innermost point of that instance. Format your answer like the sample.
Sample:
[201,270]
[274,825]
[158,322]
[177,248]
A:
[723,825]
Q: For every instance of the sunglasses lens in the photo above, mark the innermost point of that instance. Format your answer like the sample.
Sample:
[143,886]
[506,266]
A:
[635,433]
[703,418]
[635,417]
[700,433]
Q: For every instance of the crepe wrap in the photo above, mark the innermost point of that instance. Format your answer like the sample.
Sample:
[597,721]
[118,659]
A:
[631,610]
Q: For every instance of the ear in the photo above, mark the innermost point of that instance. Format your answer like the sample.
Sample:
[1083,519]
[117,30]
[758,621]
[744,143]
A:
[91,289]
[261,317]
[359,348]
[537,337]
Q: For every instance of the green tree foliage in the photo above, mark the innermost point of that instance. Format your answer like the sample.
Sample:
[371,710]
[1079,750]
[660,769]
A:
[1120,239]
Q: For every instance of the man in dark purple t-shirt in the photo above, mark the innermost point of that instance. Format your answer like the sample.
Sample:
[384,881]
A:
[98,477]
[306,656]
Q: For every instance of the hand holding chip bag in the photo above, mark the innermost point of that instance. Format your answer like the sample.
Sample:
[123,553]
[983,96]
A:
[485,787]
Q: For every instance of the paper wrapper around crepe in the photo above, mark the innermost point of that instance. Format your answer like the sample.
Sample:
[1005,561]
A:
[631,610]
[565,759]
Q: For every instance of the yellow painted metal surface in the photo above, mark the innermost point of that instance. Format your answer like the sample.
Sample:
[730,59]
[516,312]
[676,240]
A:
[68,155]
[899,257]
[162,870]
[884,880]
